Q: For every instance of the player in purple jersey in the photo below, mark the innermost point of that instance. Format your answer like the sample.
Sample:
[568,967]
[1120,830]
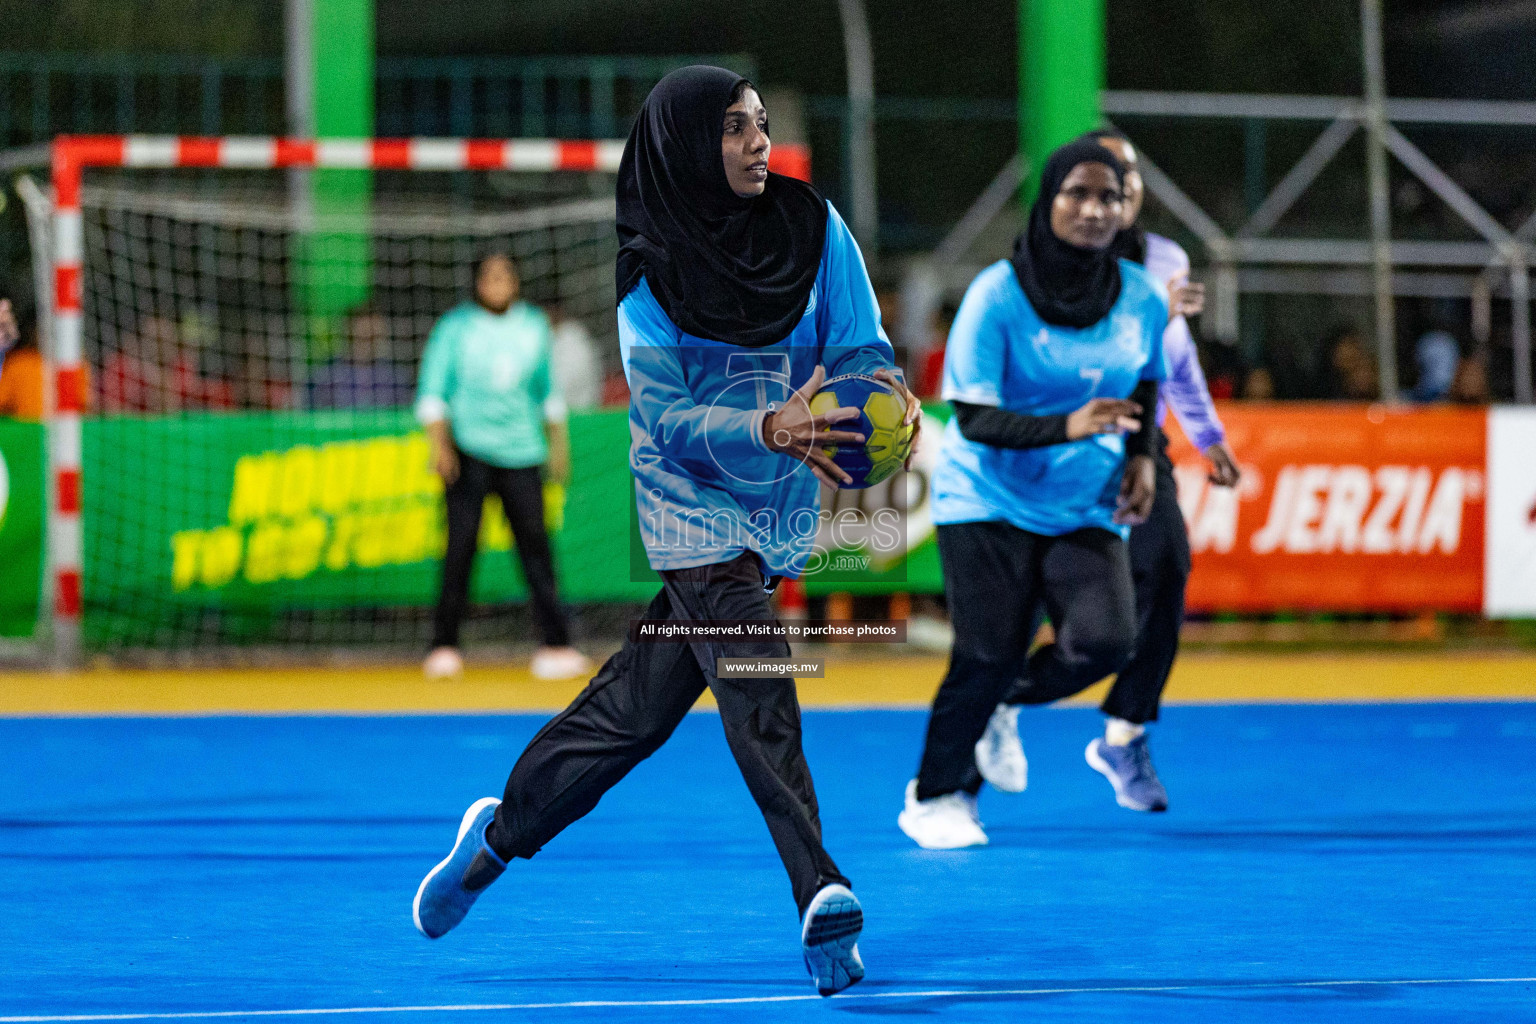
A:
[1159,547]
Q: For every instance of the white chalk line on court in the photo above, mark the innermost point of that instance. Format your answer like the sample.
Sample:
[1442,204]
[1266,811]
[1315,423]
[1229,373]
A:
[1248,986]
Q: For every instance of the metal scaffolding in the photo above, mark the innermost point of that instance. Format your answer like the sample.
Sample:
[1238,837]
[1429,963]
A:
[1252,260]
[1246,260]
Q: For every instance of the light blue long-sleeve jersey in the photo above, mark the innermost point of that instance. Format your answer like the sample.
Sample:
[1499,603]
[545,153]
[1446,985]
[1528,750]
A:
[707,487]
[1001,354]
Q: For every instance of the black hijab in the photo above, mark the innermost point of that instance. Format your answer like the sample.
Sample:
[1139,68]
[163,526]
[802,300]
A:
[1130,244]
[1067,286]
[722,267]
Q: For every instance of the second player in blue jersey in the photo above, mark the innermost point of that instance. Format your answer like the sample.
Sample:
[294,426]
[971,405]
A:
[1158,547]
[1052,367]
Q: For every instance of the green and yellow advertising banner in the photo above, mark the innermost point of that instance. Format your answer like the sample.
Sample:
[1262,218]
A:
[254,526]
[251,512]
[222,523]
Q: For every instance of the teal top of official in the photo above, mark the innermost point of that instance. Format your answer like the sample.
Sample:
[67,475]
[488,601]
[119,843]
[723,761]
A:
[488,374]
[1001,354]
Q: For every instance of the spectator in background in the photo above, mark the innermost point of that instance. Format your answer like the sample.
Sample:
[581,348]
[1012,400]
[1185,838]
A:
[264,381]
[365,377]
[130,368]
[1437,357]
[930,377]
[494,420]
[578,370]
[1470,385]
[10,333]
[23,370]
[615,390]
[1351,371]
[1259,385]
[152,370]
[1225,370]
[212,368]
[888,301]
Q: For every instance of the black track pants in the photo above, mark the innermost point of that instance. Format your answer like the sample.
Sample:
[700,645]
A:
[641,694]
[1159,554]
[996,577]
[1159,550]
[522,497]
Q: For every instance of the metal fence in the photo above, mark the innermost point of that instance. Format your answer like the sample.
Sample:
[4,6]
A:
[43,95]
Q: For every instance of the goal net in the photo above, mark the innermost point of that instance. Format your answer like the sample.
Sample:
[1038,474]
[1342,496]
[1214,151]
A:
[247,470]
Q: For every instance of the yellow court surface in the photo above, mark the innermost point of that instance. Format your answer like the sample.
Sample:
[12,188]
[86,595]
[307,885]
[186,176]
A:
[851,682]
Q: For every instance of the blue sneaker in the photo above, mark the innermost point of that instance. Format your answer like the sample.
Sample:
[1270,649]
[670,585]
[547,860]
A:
[451,888]
[1129,769]
[830,939]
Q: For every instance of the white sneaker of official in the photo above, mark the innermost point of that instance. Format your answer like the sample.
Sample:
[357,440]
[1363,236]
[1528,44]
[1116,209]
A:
[551,663]
[443,663]
[926,633]
[1000,753]
[945,822]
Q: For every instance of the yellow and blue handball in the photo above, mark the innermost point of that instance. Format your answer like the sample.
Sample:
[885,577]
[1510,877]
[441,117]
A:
[887,441]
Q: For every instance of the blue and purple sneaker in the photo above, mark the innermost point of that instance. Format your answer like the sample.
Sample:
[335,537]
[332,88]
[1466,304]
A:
[1129,769]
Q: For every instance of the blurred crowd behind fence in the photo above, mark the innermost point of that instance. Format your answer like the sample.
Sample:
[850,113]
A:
[1272,210]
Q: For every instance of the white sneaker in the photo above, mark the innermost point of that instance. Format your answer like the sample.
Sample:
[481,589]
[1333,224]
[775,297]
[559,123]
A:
[930,634]
[443,663]
[560,663]
[945,822]
[1000,753]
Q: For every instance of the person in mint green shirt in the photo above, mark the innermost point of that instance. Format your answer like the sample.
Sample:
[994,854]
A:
[495,422]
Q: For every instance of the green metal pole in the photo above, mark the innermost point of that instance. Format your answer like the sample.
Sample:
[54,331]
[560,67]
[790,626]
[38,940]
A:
[337,265]
[1061,73]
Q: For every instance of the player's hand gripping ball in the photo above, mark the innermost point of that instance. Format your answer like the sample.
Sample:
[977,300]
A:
[887,442]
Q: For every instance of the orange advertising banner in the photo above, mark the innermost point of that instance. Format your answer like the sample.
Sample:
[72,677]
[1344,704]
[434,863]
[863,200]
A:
[1341,508]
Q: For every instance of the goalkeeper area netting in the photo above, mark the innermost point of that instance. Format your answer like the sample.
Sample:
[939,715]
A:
[252,474]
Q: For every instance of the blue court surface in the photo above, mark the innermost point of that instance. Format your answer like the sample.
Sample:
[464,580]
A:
[1353,863]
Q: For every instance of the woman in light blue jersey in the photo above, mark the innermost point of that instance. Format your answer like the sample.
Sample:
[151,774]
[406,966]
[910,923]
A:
[1052,367]
[739,289]
[1158,548]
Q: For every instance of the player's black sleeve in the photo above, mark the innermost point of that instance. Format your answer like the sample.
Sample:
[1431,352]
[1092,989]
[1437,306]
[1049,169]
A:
[1000,428]
[1144,441]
